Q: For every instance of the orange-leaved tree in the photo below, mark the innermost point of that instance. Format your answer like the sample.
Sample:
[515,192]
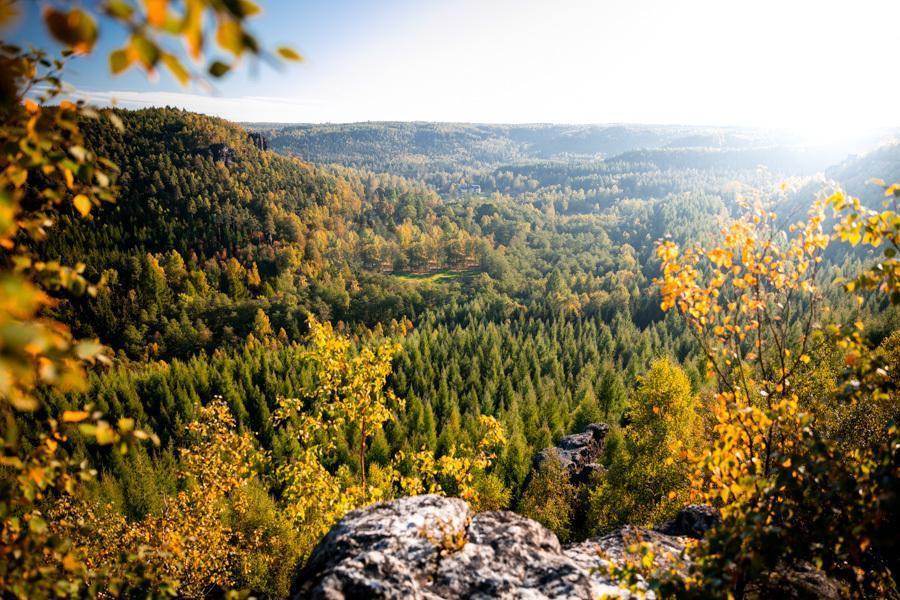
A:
[789,496]
[752,303]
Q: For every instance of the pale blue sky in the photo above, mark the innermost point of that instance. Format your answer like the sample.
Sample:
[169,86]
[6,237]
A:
[803,63]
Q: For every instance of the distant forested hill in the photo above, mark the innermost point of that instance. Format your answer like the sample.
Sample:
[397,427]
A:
[855,172]
[452,157]
[208,229]
[463,143]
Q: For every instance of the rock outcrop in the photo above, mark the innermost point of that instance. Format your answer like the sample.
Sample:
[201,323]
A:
[692,521]
[596,555]
[801,582]
[432,547]
[258,140]
[220,152]
[578,453]
[223,153]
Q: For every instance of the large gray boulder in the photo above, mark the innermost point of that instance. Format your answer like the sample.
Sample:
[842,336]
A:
[597,555]
[429,547]
[434,547]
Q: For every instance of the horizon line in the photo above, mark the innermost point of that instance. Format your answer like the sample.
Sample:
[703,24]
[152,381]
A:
[229,107]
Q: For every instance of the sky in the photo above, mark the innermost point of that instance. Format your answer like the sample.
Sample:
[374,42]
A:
[777,63]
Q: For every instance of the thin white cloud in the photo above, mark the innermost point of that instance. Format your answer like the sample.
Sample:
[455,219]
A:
[242,108]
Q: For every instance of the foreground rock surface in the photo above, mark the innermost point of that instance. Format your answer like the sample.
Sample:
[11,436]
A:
[435,547]
[428,547]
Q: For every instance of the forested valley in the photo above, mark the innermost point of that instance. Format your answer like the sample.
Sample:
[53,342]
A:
[534,303]
[218,340]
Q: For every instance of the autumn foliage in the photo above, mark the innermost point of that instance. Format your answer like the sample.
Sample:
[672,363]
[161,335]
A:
[787,493]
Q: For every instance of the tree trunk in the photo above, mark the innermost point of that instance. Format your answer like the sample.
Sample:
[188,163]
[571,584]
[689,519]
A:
[362,458]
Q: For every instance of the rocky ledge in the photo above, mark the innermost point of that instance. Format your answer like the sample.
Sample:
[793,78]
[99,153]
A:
[429,547]
[434,547]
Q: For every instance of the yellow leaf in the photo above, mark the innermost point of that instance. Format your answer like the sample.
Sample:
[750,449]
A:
[82,204]
[74,416]
[119,9]
[104,434]
[36,474]
[249,8]
[116,121]
[24,403]
[156,11]
[230,37]
[176,68]
[70,563]
[144,50]
[119,60]
[76,28]
[289,54]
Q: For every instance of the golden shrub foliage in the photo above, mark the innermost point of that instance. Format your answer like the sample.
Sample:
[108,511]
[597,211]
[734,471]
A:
[786,492]
[349,391]
[189,547]
[454,471]
[647,481]
[742,300]
[877,229]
